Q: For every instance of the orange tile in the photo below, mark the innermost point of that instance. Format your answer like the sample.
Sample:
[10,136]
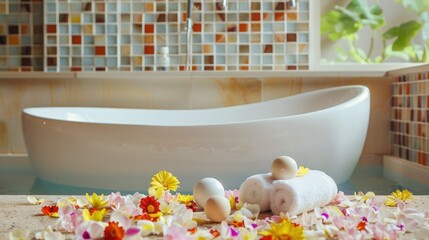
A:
[243,27]
[149,28]
[149,39]
[76,39]
[149,7]
[149,49]
[51,28]
[100,50]
[292,16]
[14,40]
[256,16]
[197,27]
[279,16]
[220,37]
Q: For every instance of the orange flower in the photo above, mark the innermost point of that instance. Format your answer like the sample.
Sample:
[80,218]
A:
[114,232]
[361,226]
[150,217]
[149,205]
[215,233]
[192,230]
[51,211]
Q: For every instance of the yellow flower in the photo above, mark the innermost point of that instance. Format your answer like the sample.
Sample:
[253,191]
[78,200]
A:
[97,201]
[302,171]
[360,196]
[156,192]
[165,180]
[96,215]
[185,198]
[398,195]
[284,230]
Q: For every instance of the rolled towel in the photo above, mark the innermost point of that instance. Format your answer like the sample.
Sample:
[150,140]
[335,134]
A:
[300,194]
[257,189]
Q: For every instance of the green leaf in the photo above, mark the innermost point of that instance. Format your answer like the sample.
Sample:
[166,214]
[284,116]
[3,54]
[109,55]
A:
[371,16]
[336,25]
[417,6]
[403,33]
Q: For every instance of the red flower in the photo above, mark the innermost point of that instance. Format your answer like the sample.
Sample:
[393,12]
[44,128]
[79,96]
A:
[149,205]
[114,232]
[51,211]
[192,205]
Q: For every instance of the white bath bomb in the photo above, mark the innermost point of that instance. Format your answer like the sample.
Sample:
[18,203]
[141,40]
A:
[284,167]
[207,188]
[217,208]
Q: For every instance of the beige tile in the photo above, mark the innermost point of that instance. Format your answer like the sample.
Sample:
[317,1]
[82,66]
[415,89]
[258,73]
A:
[316,83]
[378,139]
[280,87]
[210,93]
[172,93]
[126,93]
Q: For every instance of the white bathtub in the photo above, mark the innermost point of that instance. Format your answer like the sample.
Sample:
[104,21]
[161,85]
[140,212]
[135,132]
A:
[121,149]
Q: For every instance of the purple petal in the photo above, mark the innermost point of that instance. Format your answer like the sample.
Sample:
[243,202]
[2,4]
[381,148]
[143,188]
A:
[86,235]
[326,215]
[132,231]
[234,233]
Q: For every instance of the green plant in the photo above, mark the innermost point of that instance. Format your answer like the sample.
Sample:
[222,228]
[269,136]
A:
[398,41]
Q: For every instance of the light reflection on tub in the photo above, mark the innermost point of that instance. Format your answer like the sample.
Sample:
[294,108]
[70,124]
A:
[112,148]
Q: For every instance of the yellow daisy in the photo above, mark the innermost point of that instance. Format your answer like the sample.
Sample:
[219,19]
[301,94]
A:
[165,180]
[283,230]
[97,201]
[398,195]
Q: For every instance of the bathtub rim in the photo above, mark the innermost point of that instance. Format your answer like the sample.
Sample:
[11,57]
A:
[360,96]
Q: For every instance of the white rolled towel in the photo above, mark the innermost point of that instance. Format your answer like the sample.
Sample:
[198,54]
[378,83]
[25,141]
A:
[300,194]
[257,189]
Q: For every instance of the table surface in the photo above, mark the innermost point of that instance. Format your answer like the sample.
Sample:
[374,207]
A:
[16,212]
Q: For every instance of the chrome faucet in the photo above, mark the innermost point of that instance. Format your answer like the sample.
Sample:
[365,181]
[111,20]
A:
[188,29]
[292,3]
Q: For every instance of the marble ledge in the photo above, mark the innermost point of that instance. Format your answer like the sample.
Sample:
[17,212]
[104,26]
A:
[323,74]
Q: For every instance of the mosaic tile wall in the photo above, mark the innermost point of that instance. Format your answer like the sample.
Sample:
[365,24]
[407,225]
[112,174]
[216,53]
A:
[21,35]
[126,35]
[410,117]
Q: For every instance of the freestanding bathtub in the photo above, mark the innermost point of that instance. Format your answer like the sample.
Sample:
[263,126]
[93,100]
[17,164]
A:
[121,149]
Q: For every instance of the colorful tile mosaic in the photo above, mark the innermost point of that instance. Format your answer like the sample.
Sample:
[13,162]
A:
[410,117]
[126,35]
[21,35]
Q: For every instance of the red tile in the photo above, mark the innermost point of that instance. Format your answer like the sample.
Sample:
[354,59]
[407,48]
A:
[149,28]
[100,50]
[255,16]
[149,49]
[51,28]
[76,39]
[197,27]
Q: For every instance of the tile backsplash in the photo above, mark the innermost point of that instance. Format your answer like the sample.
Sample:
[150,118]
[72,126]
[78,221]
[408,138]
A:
[410,117]
[125,35]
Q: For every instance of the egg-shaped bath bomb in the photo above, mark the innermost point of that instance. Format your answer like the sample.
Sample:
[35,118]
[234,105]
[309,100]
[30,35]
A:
[217,208]
[284,167]
[206,188]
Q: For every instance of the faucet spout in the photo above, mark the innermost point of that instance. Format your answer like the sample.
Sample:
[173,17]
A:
[292,3]
[188,29]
